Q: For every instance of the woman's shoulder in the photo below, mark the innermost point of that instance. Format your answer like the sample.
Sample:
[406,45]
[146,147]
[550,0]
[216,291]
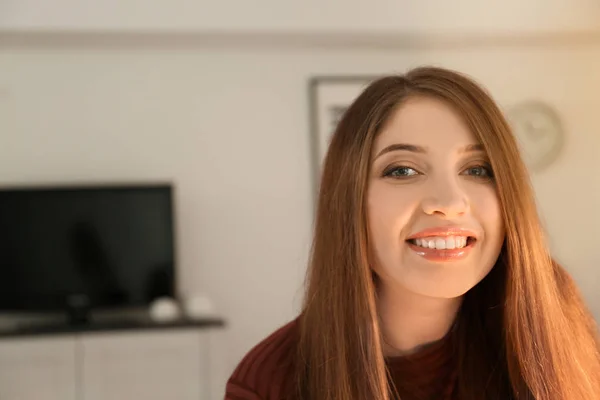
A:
[265,371]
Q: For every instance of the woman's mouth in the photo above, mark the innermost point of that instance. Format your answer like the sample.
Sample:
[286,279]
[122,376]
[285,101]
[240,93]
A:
[443,242]
[442,248]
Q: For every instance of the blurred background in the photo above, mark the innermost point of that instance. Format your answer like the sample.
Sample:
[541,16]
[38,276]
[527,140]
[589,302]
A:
[219,102]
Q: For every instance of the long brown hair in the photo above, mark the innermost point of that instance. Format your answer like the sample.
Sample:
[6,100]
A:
[523,331]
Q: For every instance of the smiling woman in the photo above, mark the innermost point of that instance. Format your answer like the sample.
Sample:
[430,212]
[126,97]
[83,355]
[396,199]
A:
[429,277]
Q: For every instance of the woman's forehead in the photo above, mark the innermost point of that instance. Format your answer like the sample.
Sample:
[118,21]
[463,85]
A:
[427,123]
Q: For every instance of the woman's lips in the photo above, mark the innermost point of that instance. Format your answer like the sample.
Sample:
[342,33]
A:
[443,249]
[451,230]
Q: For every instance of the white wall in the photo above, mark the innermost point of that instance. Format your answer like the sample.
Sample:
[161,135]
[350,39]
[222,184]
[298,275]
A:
[509,16]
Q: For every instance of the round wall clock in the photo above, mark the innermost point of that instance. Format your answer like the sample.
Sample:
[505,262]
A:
[539,131]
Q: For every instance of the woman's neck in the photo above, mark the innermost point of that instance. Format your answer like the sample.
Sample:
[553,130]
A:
[410,320]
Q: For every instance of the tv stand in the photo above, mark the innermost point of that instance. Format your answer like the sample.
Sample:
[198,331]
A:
[119,359]
[113,325]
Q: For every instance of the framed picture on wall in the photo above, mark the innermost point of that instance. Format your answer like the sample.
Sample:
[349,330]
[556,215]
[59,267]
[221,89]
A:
[329,97]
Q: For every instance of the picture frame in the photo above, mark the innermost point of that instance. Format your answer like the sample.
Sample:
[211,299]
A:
[329,96]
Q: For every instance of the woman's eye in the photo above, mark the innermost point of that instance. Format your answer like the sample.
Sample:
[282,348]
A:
[480,171]
[400,172]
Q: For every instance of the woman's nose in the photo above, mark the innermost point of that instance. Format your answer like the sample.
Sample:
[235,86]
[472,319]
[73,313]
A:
[446,199]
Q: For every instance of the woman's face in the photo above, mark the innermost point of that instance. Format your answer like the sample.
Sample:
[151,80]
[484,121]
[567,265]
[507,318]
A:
[434,218]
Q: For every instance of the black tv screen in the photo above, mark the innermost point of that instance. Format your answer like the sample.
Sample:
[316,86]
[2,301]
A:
[112,246]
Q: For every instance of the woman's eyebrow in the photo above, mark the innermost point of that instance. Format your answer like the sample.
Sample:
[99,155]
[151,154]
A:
[401,147]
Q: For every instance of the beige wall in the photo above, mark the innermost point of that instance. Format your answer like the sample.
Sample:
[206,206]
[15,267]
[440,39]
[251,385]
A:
[303,16]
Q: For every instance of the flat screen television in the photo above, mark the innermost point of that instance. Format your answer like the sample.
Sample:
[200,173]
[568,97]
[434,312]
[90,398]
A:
[84,248]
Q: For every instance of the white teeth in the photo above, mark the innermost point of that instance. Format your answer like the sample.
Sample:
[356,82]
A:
[441,243]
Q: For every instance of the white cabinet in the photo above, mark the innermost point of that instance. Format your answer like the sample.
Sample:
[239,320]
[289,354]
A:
[39,368]
[162,364]
[149,366]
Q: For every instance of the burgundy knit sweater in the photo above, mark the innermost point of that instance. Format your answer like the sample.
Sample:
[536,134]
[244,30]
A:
[265,372]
